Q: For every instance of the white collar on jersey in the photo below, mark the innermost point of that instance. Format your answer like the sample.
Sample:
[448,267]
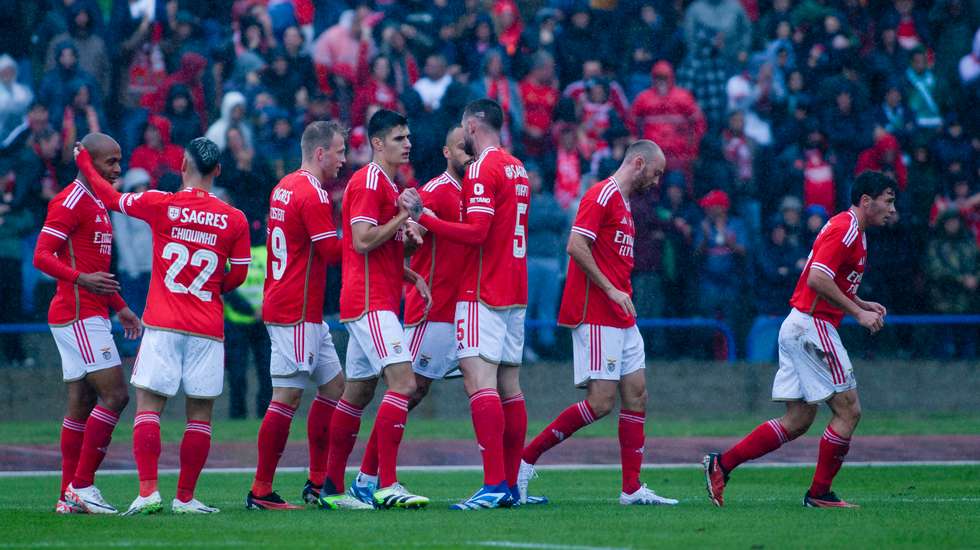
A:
[315,180]
[614,181]
[391,182]
[452,180]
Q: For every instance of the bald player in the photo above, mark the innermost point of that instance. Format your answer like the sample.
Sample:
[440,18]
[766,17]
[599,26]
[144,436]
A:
[597,304]
[75,248]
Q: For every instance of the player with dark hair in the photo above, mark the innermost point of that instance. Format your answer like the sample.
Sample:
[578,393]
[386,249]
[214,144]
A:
[373,224]
[814,367]
[75,248]
[429,332]
[302,241]
[492,300]
[194,236]
[597,305]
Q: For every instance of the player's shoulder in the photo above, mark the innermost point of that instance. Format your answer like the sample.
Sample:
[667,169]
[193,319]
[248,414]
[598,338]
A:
[600,193]
[70,196]
[369,176]
[304,186]
[842,228]
[440,184]
[486,163]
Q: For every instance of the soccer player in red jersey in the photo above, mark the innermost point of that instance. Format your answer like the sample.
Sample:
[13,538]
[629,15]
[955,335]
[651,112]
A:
[302,242]
[194,236]
[607,347]
[430,334]
[492,299]
[373,223]
[813,365]
[75,248]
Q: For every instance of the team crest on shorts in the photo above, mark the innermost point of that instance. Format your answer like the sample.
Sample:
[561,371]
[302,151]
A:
[397,346]
[106,353]
[424,360]
[610,364]
[173,212]
[309,359]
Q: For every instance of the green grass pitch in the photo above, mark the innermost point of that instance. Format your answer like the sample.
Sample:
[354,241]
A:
[902,507]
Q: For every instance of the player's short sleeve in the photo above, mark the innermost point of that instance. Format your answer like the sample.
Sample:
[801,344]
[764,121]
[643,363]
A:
[832,248]
[479,190]
[241,247]
[364,204]
[60,221]
[588,219]
[145,206]
[317,216]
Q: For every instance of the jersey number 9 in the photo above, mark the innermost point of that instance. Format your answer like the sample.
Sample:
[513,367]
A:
[278,242]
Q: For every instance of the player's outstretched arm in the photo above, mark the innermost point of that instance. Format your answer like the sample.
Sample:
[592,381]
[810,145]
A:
[826,288]
[420,284]
[240,257]
[102,188]
[472,232]
[580,249]
[367,237]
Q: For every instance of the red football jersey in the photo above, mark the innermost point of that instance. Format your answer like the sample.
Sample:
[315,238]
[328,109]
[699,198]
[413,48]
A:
[438,259]
[194,235]
[372,281]
[604,217]
[496,185]
[841,250]
[80,221]
[300,215]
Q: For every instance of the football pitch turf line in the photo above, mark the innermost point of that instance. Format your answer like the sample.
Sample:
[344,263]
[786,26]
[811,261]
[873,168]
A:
[540,468]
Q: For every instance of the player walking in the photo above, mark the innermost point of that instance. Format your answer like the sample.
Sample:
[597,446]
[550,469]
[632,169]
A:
[194,236]
[430,335]
[492,299]
[813,364]
[373,215]
[302,242]
[75,248]
[607,348]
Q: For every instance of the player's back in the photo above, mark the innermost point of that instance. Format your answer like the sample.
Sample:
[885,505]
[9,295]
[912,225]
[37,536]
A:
[496,184]
[839,251]
[194,235]
[300,214]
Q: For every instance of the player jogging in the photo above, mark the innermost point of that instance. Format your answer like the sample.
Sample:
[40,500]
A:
[302,242]
[75,248]
[430,335]
[813,364]
[194,236]
[607,348]
[491,301]
[373,218]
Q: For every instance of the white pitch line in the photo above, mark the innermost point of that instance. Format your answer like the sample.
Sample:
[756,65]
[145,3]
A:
[540,545]
[543,467]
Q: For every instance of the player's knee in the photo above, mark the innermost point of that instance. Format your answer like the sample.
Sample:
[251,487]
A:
[116,400]
[602,406]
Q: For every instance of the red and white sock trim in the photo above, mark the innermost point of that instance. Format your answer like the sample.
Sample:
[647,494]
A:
[325,401]
[832,437]
[73,425]
[781,432]
[198,426]
[485,393]
[631,417]
[146,417]
[280,408]
[585,412]
[105,415]
[348,409]
[395,400]
[512,399]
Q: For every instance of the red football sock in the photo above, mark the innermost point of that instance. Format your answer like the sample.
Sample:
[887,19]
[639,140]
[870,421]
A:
[568,422]
[488,424]
[515,431]
[98,434]
[72,434]
[273,434]
[146,449]
[764,439]
[369,462]
[631,440]
[344,424]
[390,425]
[833,449]
[318,436]
[194,450]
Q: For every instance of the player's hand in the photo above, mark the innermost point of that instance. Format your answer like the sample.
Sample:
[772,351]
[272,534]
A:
[99,282]
[623,300]
[413,233]
[132,326]
[411,201]
[870,320]
[428,212]
[877,308]
[424,293]
[77,150]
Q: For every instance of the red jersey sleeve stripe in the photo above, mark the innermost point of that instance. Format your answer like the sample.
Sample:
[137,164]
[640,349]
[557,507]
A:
[53,232]
[824,268]
[584,232]
[240,261]
[479,210]
[324,235]
[364,219]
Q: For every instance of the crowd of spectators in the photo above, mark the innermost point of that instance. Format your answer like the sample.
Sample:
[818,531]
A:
[766,111]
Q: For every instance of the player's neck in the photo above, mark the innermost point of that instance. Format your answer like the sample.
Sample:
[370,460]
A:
[484,140]
[452,173]
[314,171]
[859,215]
[389,169]
[624,181]
[204,184]
[81,179]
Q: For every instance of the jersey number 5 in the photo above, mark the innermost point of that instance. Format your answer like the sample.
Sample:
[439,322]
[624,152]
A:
[205,259]
[520,236]
[278,242]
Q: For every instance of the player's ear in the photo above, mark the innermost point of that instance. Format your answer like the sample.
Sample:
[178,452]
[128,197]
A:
[217,170]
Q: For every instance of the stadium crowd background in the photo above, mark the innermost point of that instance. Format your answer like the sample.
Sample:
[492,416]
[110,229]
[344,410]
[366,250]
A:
[766,112]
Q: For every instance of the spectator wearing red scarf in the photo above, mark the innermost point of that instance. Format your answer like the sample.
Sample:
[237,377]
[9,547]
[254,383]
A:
[509,26]
[496,85]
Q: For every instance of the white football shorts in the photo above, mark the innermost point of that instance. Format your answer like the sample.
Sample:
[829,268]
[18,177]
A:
[606,353]
[813,364]
[433,349]
[494,335]
[377,340]
[85,346]
[302,353]
[167,359]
